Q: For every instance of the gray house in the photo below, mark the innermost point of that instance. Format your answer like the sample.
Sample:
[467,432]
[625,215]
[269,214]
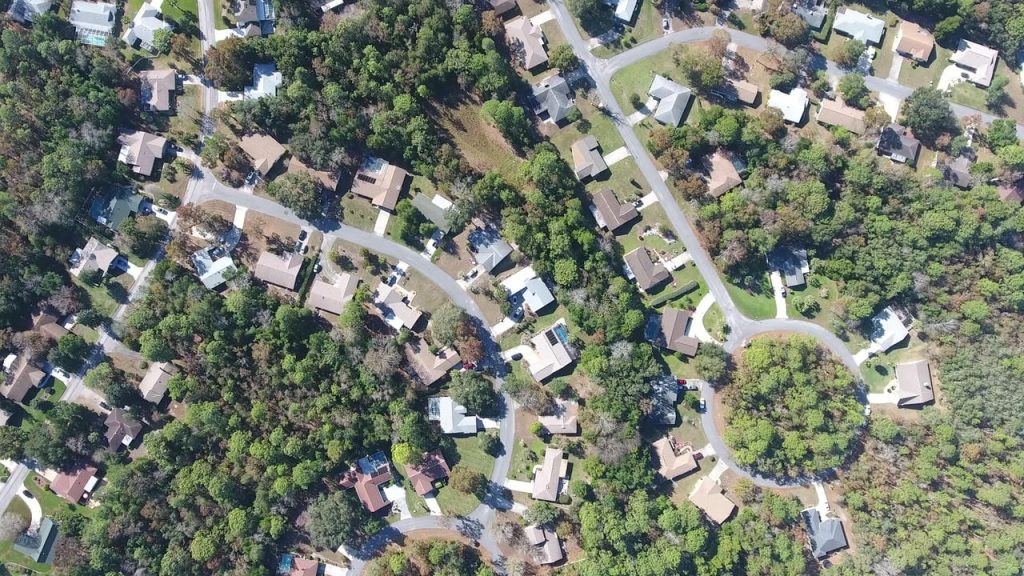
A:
[553,98]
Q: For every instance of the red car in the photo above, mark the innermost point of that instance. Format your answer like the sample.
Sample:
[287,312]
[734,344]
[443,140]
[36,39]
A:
[468,365]
[681,381]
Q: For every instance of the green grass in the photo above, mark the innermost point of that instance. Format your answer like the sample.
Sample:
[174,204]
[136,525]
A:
[879,370]
[646,26]
[50,502]
[688,428]
[924,74]
[755,306]
[358,212]
[968,94]
[99,298]
[636,78]
[827,296]
[90,335]
[525,458]
[472,457]
[714,323]
[10,559]
[679,366]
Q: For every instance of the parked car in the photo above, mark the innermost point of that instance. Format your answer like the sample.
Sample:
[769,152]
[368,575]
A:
[698,455]
[703,405]
[517,356]
[692,387]
[302,235]
[104,405]
[664,23]
[681,381]
[317,268]
[27,494]
[468,365]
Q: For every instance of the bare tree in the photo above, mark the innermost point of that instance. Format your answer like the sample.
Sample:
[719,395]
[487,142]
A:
[11,525]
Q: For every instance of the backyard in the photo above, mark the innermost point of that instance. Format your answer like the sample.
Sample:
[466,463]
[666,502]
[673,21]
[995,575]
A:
[470,455]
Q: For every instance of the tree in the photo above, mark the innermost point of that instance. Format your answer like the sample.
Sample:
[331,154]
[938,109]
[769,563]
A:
[541,514]
[490,442]
[848,53]
[510,119]
[337,519]
[298,191]
[1001,133]
[1012,157]
[703,69]
[948,28]
[927,113]
[995,94]
[474,392]
[789,29]
[711,362]
[70,352]
[468,481]
[563,58]
[11,525]
[229,64]
[445,323]
[592,14]
[854,92]
[162,40]
[144,234]
[182,46]
[12,442]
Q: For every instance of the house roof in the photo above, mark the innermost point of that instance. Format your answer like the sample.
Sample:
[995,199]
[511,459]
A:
[914,383]
[709,498]
[586,158]
[154,384]
[397,312]
[648,274]
[281,271]
[563,419]
[609,213]
[547,479]
[625,9]
[1011,192]
[332,297]
[367,477]
[835,113]
[435,209]
[722,173]
[158,86]
[71,486]
[859,26]
[502,6]
[265,82]
[113,209]
[958,172]
[431,367]
[451,416]
[792,105]
[526,286]
[791,262]
[48,326]
[93,16]
[674,324]
[38,545]
[24,376]
[212,270]
[887,329]
[673,464]
[977,59]
[327,180]
[525,36]
[488,247]
[304,567]
[145,25]
[826,534]
[380,182]
[812,12]
[432,467]
[914,41]
[673,99]
[263,150]
[121,428]
[546,543]
[26,10]
[141,150]
[895,143]
[552,352]
[248,10]
[96,254]
[746,92]
[552,96]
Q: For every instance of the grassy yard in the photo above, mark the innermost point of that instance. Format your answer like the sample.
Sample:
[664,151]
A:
[879,370]
[714,323]
[469,455]
[825,294]
[593,123]
[755,306]
[428,297]
[524,458]
[358,212]
[637,78]
[646,26]
[99,298]
[481,144]
[677,365]
[925,74]
[352,253]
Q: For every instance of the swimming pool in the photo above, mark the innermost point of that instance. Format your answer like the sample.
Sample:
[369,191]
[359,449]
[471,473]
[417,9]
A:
[93,39]
[562,332]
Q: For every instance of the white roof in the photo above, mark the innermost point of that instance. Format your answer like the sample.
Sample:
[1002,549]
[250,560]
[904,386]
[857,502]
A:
[887,329]
[625,9]
[977,59]
[451,416]
[93,16]
[211,272]
[535,292]
[265,81]
[673,98]
[145,25]
[792,105]
[860,26]
[552,353]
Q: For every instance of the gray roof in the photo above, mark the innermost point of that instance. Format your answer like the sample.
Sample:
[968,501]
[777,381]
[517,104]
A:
[93,16]
[673,100]
[433,212]
[489,249]
[586,158]
[25,10]
[958,172]
[552,96]
[914,383]
[116,208]
[664,396]
[859,26]
[38,544]
[812,13]
[894,143]
[791,263]
[826,535]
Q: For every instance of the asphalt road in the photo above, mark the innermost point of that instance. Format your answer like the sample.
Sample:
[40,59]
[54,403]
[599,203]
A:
[14,483]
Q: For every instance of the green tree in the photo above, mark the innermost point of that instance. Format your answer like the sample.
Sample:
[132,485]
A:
[298,191]
[927,113]
[541,514]
[468,481]
[510,119]
[1012,157]
[563,58]
[703,69]
[1002,132]
[848,53]
[854,92]
[948,28]
[162,40]
[70,352]
[446,322]
[475,392]
[337,519]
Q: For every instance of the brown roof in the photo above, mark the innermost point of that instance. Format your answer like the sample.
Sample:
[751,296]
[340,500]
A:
[647,273]
[549,549]
[709,498]
[327,180]
[673,329]
[1012,192]
[525,36]
[367,485]
[154,384]
[673,464]
[745,91]
[430,469]
[120,427]
[430,367]
[380,182]
[502,6]
[158,86]
[279,270]
[914,383]
[71,485]
[25,376]
[47,325]
[563,420]
[304,567]
[98,254]
[547,479]
[835,113]
[586,158]
[332,297]
[141,150]
[613,214]
[915,41]
[722,174]
[264,151]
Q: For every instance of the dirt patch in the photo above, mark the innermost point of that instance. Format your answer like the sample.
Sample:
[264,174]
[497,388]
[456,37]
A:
[263,232]
[481,144]
[223,209]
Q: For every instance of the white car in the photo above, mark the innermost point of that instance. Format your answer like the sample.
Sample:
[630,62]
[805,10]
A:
[665,24]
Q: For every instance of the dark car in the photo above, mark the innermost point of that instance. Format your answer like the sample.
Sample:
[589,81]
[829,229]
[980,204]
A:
[468,365]
[517,356]
[302,235]
[27,494]
[698,455]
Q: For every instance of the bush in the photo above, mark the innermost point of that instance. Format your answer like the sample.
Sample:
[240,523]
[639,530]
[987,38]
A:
[490,443]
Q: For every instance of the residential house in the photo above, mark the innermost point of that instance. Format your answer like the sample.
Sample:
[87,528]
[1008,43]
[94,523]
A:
[213,266]
[562,419]
[122,429]
[38,544]
[792,105]
[430,367]
[252,12]
[958,172]
[263,150]
[826,534]
[664,397]
[398,313]
[913,41]
[548,549]
[722,174]
[526,40]
[526,289]
[141,150]
[488,248]
[896,144]
[552,352]
[76,484]
[587,161]
[791,263]
[887,330]
[709,498]
[625,10]
[672,332]
[265,82]
[24,11]
[611,215]
[280,271]
[914,384]
[859,26]
[380,182]
[153,386]
[554,98]
[48,325]
[673,100]
[94,256]
[673,461]
[23,376]
[502,6]
[304,567]
[741,91]
[813,12]
[368,477]
[332,297]
[547,480]
[977,62]
[647,273]
[327,181]
[144,28]
[835,113]
[114,209]
[94,22]
[430,469]
[158,88]
[1011,193]
[436,209]
[451,416]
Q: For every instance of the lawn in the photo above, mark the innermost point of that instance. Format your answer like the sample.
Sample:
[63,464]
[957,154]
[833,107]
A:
[593,123]
[646,26]
[524,458]
[677,365]
[883,54]
[754,306]
[353,253]
[879,370]
[636,78]
[358,212]
[481,144]
[714,323]
[428,296]
[99,298]
[826,295]
[926,74]
[688,428]
[470,455]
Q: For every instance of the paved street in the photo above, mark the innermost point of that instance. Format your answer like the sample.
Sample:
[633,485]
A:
[13,485]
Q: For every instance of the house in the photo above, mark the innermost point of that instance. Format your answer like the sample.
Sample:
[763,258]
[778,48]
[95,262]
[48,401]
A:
[673,462]
[488,248]
[664,397]
[587,161]
[144,28]
[265,82]
[1011,193]
[673,329]
[24,11]
[914,384]
[153,386]
[38,544]
[158,88]
[94,256]
[791,263]
[709,498]
[547,479]
[93,21]
[451,416]
[742,91]
[722,174]
[611,215]
[48,326]
[502,6]
[526,289]
[436,209]
[545,543]
[122,429]
[958,172]
[380,182]
[526,40]
[551,351]
[73,485]
[428,366]
[826,534]
[367,477]
[553,98]
[977,61]
[792,105]
[896,144]
[213,266]
[304,567]
[625,10]
[563,418]
[280,271]
[647,273]
[673,100]
[263,150]
[835,113]
[913,41]
[252,11]
[114,209]
[141,150]
[332,298]
[397,312]
[23,375]
[430,469]
[813,12]
[859,26]
[887,330]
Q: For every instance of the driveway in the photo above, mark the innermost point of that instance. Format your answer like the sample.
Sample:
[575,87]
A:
[519,486]
[779,289]
[34,508]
